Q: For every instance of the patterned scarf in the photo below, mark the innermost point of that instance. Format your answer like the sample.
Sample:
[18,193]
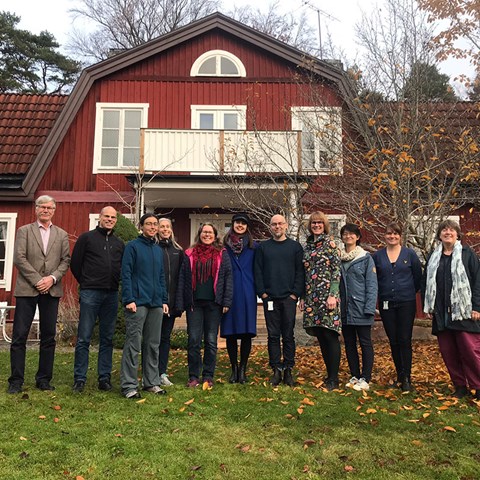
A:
[358,251]
[236,243]
[205,264]
[461,295]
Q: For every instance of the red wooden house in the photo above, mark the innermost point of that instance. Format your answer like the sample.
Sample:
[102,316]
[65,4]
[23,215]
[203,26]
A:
[169,115]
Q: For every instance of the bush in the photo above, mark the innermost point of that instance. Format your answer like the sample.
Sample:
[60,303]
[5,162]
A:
[179,339]
[126,231]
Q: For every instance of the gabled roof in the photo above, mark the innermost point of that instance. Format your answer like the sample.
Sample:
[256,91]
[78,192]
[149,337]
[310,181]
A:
[25,123]
[107,67]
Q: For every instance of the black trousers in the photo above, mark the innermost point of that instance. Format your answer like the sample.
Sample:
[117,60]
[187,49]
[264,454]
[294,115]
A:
[364,334]
[24,313]
[398,323]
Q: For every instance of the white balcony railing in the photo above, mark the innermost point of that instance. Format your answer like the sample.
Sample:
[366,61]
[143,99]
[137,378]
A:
[207,152]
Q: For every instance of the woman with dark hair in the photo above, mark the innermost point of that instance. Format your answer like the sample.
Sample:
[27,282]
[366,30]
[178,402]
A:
[144,296]
[451,293]
[240,322]
[321,315]
[358,297]
[399,275]
[172,262]
[205,291]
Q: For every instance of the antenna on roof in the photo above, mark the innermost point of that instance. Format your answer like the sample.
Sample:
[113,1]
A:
[325,14]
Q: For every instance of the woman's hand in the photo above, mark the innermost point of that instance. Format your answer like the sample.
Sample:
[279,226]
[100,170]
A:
[131,307]
[475,315]
[225,309]
[301,304]
[165,309]
[429,316]
[331,302]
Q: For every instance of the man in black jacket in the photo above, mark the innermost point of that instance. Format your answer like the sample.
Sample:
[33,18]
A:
[96,263]
[280,281]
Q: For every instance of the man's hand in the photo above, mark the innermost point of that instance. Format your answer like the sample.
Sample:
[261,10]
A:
[44,285]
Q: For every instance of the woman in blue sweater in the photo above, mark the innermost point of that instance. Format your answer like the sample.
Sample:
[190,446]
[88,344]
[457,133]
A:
[399,275]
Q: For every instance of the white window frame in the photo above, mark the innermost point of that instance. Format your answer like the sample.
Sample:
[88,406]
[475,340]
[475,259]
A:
[11,221]
[97,151]
[323,119]
[218,111]
[94,218]
[218,54]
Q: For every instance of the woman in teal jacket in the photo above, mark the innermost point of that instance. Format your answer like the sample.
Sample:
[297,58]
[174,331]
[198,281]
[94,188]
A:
[358,298]
[145,298]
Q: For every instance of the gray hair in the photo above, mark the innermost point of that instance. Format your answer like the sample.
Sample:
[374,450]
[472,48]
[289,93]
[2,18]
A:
[42,199]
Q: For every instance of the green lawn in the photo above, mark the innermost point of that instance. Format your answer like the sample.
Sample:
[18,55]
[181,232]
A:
[241,432]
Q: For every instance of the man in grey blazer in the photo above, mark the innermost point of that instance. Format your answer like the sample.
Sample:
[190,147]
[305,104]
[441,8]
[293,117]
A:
[42,257]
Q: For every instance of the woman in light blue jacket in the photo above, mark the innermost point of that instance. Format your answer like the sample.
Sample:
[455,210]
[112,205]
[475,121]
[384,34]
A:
[358,298]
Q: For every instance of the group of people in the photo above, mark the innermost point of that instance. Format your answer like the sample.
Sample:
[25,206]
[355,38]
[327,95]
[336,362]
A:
[217,284]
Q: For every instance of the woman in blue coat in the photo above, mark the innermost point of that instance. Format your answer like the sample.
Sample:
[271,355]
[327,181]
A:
[240,322]
[358,298]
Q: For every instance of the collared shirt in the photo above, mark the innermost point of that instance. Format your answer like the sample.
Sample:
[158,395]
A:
[45,233]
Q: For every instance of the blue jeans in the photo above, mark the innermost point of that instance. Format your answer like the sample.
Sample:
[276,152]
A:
[280,325]
[104,305]
[203,322]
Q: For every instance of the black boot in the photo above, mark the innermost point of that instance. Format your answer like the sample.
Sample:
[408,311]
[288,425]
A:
[242,373]
[331,384]
[406,385]
[277,377]
[288,378]
[460,391]
[234,376]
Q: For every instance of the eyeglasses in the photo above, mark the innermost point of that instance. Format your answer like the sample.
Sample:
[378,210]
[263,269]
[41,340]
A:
[151,224]
[43,207]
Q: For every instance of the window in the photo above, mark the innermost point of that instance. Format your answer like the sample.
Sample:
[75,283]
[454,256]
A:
[117,135]
[218,117]
[218,63]
[321,136]
[7,240]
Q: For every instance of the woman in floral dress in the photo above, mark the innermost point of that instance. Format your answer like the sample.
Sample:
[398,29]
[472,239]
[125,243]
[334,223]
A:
[321,316]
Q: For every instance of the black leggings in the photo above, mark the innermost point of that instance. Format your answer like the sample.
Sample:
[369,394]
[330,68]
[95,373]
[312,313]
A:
[245,348]
[330,347]
[364,333]
[398,324]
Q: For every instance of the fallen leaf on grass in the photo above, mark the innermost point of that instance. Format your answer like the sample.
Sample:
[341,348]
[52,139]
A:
[306,469]
[42,417]
[299,411]
[418,443]
[56,419]
[142,400]
[307,401]
[223,468]
[196,467]
[307,443]
[79,477]
[371,410]
[426,415]
[57,407]
[449,429]
[23,439]
[182,409]
[348,468]
[189,402]
[118,435]
[206,386]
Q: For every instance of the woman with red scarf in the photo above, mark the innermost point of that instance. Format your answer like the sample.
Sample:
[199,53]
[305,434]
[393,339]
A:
[205,291]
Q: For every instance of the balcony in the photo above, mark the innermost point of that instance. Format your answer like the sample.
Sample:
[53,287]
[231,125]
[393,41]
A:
[208,152]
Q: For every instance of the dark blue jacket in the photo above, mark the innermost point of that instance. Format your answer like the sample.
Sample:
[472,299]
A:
[358,291]
[143,279]
[399,283]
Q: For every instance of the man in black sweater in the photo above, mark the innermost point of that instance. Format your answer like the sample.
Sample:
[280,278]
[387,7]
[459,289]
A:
[96,263]
[280,281]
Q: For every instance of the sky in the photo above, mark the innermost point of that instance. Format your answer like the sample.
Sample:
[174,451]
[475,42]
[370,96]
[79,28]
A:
[337,19]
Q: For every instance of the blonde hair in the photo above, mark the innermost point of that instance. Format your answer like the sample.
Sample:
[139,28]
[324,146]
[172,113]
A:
[172,237]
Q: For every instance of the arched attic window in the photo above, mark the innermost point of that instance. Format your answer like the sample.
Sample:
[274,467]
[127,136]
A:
[218,63]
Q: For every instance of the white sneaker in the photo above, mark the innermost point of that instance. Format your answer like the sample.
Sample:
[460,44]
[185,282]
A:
[155,390]
[362,384]
[352,382]
[165,381]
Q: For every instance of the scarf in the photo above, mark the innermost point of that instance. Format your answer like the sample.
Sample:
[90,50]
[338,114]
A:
[236,243]
[461,295]
[205,264]
[358,251]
